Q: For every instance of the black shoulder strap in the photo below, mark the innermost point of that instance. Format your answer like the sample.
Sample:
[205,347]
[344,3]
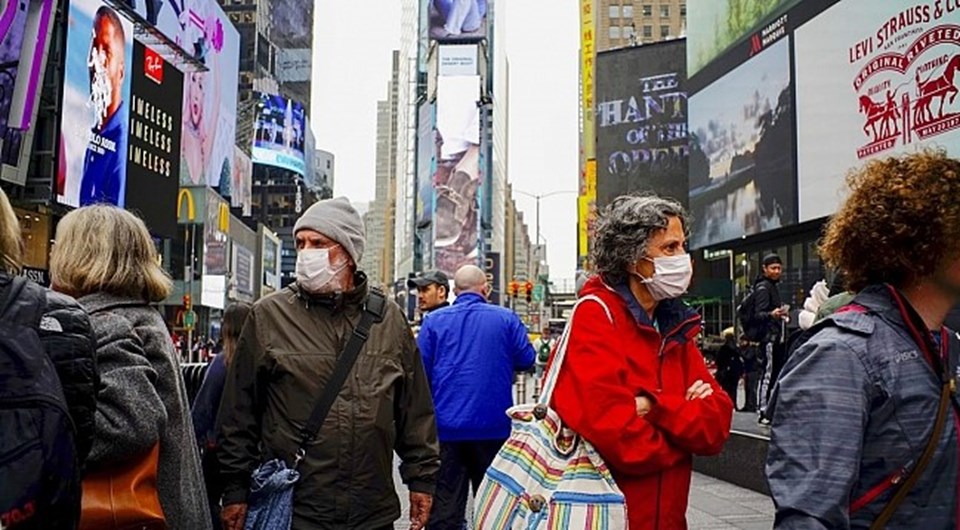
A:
[373,311]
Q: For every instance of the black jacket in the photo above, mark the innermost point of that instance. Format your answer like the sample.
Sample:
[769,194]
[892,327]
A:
[68,339]
[767,298]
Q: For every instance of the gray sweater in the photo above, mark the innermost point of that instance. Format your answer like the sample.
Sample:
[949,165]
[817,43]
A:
[142,399]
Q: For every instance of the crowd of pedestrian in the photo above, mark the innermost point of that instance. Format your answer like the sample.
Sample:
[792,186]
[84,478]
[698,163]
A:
[318,386]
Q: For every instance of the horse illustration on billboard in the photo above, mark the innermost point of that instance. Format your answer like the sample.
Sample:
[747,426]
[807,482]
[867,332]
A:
[940,87]
[887,113]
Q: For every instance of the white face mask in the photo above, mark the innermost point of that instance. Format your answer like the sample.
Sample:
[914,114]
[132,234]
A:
[671,276]
[315,274]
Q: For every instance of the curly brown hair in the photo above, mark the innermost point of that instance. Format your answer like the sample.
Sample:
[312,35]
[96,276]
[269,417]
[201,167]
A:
[900,222]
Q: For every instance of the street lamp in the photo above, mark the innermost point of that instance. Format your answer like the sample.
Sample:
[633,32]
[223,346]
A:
[543,196]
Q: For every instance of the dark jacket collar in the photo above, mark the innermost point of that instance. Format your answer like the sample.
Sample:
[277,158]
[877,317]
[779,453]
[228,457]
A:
[892,306]
[469,298]
[669,313]
[336,301]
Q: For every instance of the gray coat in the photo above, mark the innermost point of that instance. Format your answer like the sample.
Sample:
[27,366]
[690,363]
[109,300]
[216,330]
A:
[142,399]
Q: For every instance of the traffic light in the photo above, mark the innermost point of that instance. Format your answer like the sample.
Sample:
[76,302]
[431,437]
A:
[187,303]
[514,288]
[529,289]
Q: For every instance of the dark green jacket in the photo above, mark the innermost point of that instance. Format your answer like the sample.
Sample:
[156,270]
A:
[288,348]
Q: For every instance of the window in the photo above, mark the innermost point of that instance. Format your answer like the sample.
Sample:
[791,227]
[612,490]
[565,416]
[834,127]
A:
[648,32]
[683,10]
[647,10]
[628,31]
[614,32]
[614,11]
[627,11]
[664,11]
[664,32]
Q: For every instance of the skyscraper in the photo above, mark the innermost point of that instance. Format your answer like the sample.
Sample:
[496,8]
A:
[622,23]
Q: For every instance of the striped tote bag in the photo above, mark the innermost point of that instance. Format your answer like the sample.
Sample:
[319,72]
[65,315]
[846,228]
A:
[545,476]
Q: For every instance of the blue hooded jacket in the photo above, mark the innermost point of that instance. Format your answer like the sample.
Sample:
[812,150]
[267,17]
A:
[471,351]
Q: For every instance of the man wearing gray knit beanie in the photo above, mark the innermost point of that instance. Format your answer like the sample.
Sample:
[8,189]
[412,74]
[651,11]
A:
[296,335]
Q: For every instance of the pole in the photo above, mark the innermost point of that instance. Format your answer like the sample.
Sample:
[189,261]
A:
[193,246]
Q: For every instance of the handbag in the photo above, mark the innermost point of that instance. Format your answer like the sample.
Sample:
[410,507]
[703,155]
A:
[270,502]
[546,477]
[123,497]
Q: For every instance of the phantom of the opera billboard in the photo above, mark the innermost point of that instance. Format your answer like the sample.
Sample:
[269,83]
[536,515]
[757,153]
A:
[641,122]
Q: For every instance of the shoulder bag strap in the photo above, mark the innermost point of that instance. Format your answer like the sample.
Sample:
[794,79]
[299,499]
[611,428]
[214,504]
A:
[373,312]
[928,452]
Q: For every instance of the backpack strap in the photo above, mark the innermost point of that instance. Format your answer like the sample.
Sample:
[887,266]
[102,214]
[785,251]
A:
[374,309]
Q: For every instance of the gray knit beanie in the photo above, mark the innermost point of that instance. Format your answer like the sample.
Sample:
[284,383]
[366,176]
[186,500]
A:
[338,220]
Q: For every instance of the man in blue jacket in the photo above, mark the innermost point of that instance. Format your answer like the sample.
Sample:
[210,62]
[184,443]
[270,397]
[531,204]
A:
[471,351]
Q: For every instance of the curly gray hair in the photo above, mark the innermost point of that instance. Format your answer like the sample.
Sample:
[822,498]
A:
[625,228]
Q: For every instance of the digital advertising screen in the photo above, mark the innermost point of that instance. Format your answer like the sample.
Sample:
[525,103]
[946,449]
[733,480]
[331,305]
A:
[641,122]
[741,163]
[95,111]
[876,79]
[279,133]
[457,20]
[13,20]
[210,102]
[153,153]
[241,183]
[194,25]
[713,26]
[457,178]
[426,159]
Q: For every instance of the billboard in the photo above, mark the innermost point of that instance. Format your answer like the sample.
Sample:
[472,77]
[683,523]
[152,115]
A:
[194,25]
[457,179]
[215,238]
[457,20]
[153,155]
[427,153]
[96,105]
[714,26]
[458,59]
[240,190]
[279,133]
[271,261]
[210,102]
[13,22]
[892,89]
[243,270]
[641,122]
[742,179]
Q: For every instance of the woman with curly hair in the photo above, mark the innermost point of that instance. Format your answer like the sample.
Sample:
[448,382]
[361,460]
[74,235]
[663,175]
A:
[857,404]
[633,382]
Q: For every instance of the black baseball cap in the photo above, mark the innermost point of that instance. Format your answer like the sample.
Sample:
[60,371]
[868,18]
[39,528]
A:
[428,277]
[771,258]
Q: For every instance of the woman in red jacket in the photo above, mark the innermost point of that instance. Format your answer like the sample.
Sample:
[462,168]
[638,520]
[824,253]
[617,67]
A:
[634,383]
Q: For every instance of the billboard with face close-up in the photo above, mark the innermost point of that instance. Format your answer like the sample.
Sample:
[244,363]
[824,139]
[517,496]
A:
[95,111]
[742,179]
[210,100]
[457,20]
[457,179]
[641,122]
[894,78]
[279,133]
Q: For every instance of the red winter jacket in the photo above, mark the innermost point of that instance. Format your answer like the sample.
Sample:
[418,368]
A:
[607,365]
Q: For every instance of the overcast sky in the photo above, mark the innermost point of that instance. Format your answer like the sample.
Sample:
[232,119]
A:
[352,61]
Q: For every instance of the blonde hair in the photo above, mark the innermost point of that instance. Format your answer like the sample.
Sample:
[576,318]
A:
[11,242]
[107,249]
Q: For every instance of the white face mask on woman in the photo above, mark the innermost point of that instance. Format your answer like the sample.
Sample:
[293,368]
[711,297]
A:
[671,276]
[315,273]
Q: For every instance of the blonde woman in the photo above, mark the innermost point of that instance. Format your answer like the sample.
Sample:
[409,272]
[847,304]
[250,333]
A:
[106,258]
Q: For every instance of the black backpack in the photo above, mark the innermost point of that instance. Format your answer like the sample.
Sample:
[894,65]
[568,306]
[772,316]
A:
[38,470]
[753,329]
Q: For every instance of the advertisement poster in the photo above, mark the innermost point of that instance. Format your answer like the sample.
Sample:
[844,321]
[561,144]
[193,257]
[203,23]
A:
[894,77]
[457,179]
[741,174]
[241,182]
[426,158]
[194,25]
[279,133]
[271,262]
[243,270]
[215,239]
[96,106]
[457,20]
[210,101]
[13,20]
[153,154]
[458,59]
[713,26]
[642,143]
